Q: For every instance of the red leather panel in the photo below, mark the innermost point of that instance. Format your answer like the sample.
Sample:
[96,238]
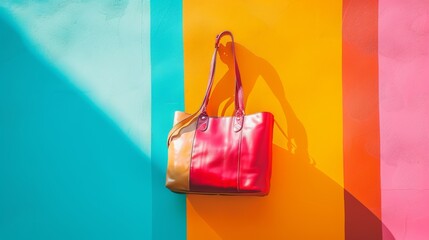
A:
[214,162]
[228,162]
[256,153]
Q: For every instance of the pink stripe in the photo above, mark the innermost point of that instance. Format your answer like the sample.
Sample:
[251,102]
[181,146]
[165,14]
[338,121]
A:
[404,117]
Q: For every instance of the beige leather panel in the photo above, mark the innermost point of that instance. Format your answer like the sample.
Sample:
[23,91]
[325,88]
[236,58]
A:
[179,156]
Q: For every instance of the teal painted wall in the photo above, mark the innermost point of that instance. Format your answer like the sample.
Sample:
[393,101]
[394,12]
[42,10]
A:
[169,209]
[75,120]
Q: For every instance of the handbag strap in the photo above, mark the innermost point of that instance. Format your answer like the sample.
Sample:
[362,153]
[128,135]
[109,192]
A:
[239,99]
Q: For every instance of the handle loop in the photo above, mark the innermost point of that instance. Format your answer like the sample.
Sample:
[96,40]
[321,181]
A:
[239,100]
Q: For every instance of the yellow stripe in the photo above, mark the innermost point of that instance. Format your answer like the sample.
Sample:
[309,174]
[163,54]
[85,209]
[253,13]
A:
[289,54]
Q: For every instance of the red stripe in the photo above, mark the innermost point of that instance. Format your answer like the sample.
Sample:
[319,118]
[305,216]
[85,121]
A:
[361,120]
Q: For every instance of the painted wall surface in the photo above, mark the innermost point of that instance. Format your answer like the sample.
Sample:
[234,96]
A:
[404,117]
[88,90]
[289,53]
[361,129]
[169,209]
[75,120]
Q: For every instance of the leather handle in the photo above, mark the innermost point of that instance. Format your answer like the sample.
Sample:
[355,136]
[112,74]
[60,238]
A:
[239,99]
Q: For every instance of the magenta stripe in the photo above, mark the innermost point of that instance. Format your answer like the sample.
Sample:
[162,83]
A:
[404,117]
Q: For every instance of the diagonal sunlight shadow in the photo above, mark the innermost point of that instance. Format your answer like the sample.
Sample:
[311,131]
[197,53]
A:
[103,47]
[67,171]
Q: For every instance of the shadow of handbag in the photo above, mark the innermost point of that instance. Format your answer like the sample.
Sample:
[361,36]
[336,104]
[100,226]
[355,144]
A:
[221,155]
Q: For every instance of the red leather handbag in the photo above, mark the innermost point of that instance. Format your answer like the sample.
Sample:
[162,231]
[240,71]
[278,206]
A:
[221,155]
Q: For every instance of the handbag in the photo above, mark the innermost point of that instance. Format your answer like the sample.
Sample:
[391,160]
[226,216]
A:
[221,155]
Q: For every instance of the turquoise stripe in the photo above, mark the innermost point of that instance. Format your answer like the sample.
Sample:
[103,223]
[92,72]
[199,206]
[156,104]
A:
[168,209]
[69,168]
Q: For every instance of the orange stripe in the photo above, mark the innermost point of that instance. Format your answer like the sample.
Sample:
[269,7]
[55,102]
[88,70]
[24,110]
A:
[361,120]
[289,53]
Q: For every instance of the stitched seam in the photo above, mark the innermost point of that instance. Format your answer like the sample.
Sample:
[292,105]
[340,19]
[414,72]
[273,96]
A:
[192,154]
[238,158]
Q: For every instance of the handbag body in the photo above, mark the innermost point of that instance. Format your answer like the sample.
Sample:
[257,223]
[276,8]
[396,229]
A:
[228,155]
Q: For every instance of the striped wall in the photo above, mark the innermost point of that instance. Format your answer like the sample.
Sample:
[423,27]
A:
[88,91]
